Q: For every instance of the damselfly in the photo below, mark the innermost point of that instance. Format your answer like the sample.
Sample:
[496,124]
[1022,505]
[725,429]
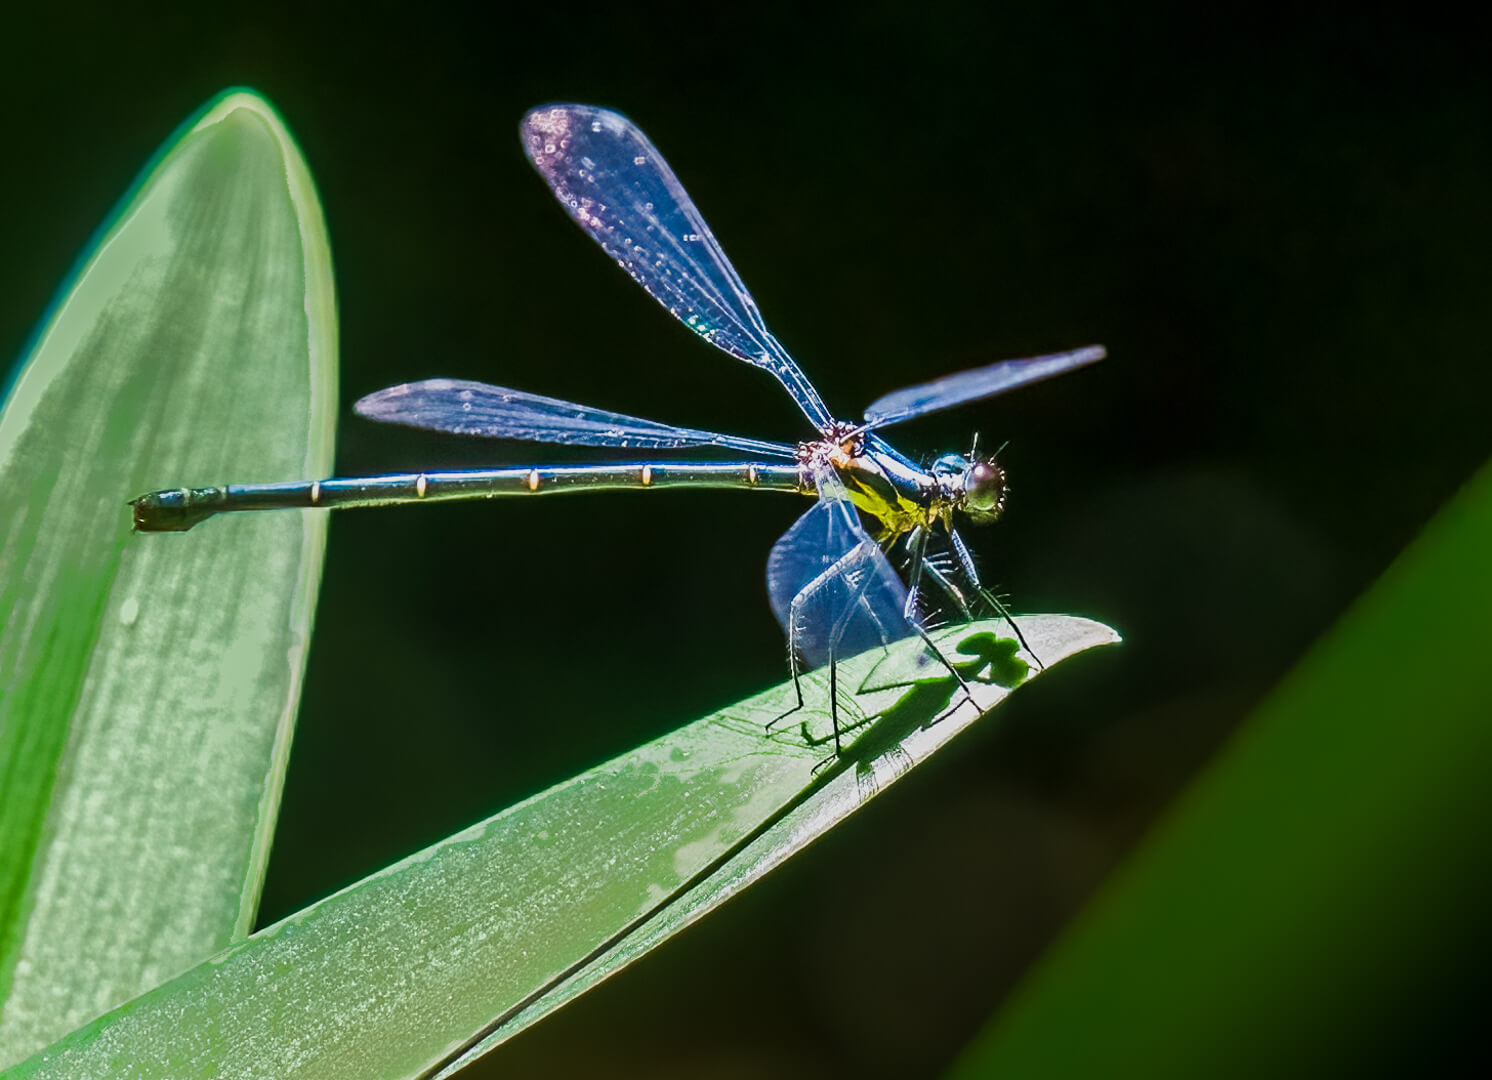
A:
[829,578]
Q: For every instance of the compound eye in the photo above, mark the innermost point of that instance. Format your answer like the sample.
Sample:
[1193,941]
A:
[984,489]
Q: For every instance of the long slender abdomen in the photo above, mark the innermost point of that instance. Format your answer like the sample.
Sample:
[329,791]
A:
[179,509]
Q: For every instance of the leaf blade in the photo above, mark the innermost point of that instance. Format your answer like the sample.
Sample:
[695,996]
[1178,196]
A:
[203,310]
[396,975]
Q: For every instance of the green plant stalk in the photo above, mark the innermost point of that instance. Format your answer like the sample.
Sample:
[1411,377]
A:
[1320,886]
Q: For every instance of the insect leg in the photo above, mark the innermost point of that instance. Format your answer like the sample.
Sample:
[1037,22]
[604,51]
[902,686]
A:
[794,622]
[966,562]
[917,552]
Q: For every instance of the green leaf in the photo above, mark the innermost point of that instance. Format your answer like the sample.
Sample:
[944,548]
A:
[478,936]
[148,684]
[1305,905]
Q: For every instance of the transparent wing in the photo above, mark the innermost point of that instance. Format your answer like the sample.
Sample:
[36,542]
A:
[972,385]
[473,408]
[831,586]
[615,184]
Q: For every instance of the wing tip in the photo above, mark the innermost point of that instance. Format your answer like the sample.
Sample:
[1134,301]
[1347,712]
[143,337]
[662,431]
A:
[377,405]
[382,403]
[558,118]
[904,404]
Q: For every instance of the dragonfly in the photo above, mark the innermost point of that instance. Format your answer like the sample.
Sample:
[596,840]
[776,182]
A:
[830,578]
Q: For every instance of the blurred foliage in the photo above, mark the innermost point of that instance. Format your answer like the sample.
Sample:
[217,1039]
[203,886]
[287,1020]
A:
[1316,897]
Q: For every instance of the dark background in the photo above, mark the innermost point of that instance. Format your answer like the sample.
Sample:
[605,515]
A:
[1279,229]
